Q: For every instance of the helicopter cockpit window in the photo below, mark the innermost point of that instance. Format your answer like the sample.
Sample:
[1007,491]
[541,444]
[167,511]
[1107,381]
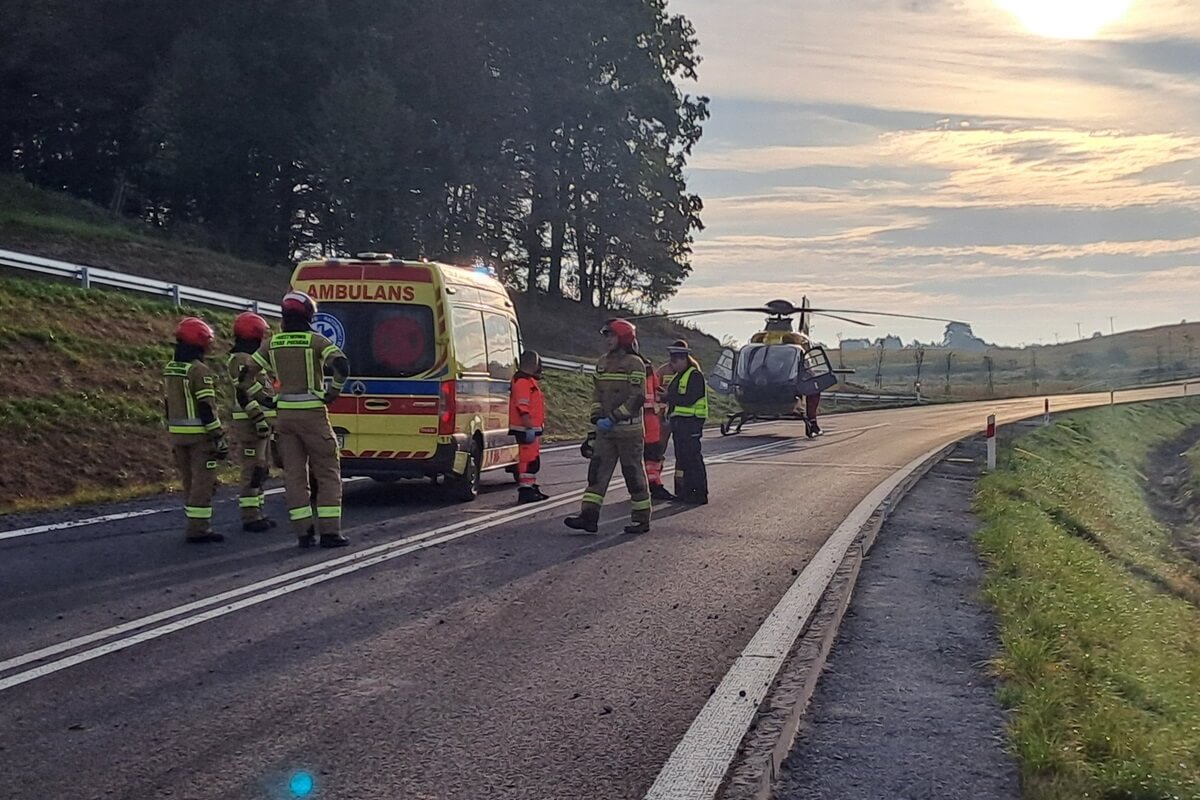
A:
[762,364]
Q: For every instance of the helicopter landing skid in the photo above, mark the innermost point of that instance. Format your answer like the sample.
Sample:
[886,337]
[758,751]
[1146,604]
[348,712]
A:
[734,423]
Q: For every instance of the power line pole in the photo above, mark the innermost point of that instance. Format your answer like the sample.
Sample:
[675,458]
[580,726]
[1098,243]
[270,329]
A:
[1111,328]
[1078,330]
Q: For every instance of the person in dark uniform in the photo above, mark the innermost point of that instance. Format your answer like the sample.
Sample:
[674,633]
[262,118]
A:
[687,409]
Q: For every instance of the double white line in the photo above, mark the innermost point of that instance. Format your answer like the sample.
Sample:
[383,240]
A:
[63,655]
[185,616]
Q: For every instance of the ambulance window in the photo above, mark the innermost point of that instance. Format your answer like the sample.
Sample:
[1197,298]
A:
[501,358]
[401,341]
[518,345]
[469,344]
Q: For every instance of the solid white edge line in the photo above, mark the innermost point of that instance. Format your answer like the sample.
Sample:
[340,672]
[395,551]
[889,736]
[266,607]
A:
[699,762]
[78,523]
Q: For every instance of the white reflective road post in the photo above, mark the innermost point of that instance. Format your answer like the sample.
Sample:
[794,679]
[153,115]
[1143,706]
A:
[991,442]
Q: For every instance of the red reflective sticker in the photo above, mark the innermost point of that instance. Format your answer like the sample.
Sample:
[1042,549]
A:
[399,343]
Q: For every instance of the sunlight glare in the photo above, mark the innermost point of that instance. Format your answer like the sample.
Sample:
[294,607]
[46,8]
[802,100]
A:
[1066,19]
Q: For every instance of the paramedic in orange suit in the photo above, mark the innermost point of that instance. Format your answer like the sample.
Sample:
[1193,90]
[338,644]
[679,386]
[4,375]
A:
[526,421]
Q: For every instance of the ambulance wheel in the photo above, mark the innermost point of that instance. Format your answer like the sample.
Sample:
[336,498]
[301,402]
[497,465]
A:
[465,488]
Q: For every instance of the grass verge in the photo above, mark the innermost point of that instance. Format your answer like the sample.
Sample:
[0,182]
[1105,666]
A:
[1099,612]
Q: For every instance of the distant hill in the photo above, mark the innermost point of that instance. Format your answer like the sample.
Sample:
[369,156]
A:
[1129,358]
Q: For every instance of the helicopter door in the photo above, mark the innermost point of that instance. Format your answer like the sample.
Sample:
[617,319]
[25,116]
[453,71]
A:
[721,377]
[817,374]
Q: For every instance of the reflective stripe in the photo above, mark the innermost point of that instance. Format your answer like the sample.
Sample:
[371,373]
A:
[262,362]
[198,512]
[631,377]
[297,514]
[593,498]
[640,505]
[206,394]
[292,339]
[289,405]
[190,422]
[210,465]
[329,512]
[699,409]
[328,351]
[215,425]
[240,414]
[251,502]
[187,430]
[250,451]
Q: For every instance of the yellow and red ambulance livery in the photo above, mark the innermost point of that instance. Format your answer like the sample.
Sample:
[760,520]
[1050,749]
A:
[432,349]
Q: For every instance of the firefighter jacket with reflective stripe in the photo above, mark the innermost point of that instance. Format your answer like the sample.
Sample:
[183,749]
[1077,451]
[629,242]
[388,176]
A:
[619,391]
[688,396]
[526,398]
[299,359]
[252,382]
[188,386]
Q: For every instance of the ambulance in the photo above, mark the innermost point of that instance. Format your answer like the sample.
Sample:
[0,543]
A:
[432,350]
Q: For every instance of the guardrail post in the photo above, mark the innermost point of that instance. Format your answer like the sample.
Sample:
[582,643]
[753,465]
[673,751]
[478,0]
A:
[991,442]
[175,295]
[85,278]
[1112,397]
[254,306]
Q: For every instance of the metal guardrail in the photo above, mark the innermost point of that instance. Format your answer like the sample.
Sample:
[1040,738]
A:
[180,295]
[89,277]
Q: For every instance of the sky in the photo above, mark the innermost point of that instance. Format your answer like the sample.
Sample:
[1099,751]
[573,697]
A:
[995,161]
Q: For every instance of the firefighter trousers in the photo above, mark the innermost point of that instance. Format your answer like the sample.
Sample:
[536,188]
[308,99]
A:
[307,446]
[198,471]
[629,452]
[529,462]
[253,455]
[691,476]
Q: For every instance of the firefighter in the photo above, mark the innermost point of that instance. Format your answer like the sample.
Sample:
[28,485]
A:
[687,408]
[655,426]
[618,401]
[526,421]
[251,418]
[299,357]
[197,438]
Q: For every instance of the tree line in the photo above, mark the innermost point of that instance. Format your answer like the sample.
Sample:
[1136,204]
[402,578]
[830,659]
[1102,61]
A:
[548,137]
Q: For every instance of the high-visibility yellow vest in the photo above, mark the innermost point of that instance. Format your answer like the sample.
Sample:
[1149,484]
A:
[699,409]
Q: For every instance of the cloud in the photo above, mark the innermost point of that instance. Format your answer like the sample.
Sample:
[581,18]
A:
[936,156]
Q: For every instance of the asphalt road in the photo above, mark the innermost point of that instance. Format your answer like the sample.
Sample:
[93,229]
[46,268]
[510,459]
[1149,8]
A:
[455,651]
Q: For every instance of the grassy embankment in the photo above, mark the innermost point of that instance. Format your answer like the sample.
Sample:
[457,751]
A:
[1099,609]
[80,396]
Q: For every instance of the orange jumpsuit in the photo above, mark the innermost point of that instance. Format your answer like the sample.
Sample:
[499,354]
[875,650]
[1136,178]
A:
[527,399]
[655,428]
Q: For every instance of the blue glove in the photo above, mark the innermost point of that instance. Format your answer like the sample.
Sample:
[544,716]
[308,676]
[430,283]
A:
[605,425]
[529,437]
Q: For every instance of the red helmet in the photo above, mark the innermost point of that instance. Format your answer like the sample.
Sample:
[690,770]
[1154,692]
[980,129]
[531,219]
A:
[194,331]
[300,304]
[624,330]
[249,325]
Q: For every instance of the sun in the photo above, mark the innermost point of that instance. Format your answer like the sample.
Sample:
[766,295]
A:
[1066,19]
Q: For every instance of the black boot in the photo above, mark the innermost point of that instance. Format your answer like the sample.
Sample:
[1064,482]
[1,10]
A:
[816,429]
[541,495]
[638,526]
[308,538]
[530,494]
[334,540]
[661,492]
[258,525]
[587,520]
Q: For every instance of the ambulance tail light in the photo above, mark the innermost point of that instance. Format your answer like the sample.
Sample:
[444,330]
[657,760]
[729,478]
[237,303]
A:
[447,403]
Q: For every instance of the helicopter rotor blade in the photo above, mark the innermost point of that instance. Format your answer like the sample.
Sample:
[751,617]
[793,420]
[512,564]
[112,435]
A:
[843,319]
[876,313]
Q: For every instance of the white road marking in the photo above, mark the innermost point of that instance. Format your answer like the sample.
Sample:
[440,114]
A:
[698,765]
[341,566]
[78,523]
[285,583]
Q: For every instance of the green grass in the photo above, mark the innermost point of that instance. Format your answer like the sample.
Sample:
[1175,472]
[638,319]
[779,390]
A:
[1099,621]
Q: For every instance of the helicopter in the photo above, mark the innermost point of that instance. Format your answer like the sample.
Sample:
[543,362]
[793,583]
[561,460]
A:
[770,376]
